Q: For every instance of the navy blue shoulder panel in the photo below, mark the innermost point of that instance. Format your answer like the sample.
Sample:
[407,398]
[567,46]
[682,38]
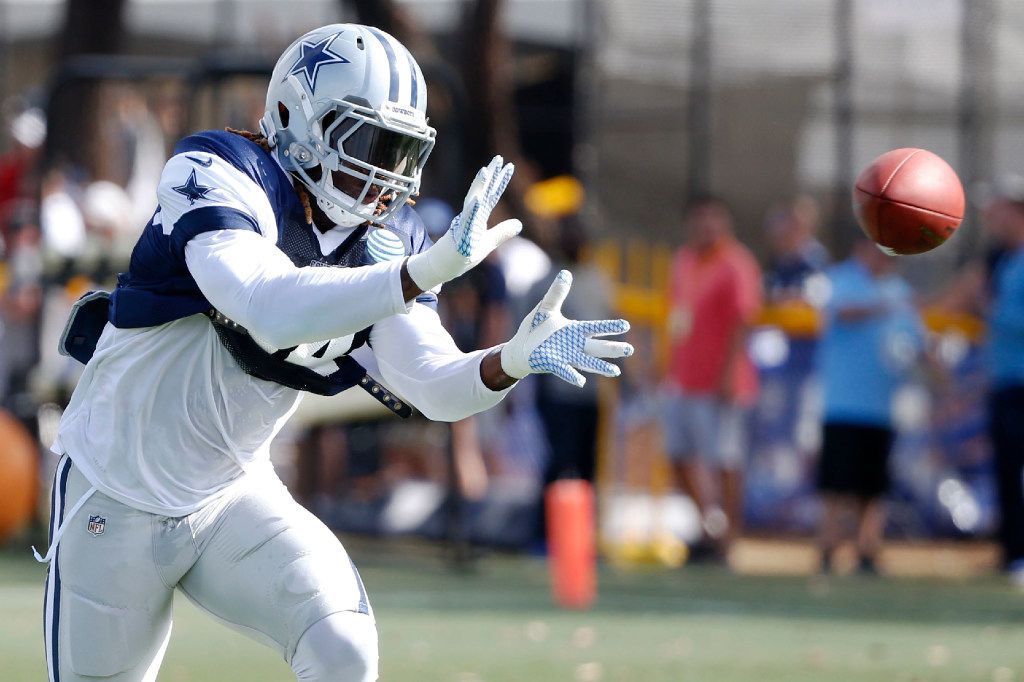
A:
[248,157]
[158,288]
[407,224]
[206,219]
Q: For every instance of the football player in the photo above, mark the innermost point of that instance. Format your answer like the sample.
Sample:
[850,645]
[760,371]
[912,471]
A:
[276,263]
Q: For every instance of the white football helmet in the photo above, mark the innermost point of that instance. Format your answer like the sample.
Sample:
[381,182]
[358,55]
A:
[346,113]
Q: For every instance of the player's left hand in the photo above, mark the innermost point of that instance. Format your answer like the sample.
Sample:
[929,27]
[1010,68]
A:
[547,342]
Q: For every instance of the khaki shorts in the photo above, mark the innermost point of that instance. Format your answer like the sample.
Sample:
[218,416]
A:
[254,559]
[700,426]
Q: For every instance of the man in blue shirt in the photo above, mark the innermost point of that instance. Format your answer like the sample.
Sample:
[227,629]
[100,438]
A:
[871,339]
[1005,218]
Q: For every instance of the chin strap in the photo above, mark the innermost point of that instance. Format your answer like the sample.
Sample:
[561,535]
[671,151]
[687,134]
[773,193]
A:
[347,219]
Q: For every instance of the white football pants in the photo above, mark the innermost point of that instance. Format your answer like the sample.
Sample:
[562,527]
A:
[253,559]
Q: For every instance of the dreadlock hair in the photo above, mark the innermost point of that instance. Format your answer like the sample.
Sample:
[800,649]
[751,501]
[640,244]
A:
[264,143]
[307,204]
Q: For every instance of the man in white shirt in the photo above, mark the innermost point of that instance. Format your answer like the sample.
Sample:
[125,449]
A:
[274,264]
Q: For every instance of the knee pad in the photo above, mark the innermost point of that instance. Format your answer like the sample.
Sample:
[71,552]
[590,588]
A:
[341,647]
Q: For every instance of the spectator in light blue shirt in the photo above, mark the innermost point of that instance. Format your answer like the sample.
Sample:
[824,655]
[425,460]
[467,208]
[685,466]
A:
[871,339]
[1004,219]
[1006,323]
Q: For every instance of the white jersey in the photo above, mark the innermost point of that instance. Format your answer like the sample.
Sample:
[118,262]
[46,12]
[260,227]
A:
[163,418]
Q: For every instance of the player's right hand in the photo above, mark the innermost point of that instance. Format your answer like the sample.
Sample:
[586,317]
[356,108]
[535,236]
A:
[468,240]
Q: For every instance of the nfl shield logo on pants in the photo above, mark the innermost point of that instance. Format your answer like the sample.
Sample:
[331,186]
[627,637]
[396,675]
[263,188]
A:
[97,524]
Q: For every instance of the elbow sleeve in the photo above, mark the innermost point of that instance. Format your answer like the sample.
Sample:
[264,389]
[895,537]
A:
[445,388]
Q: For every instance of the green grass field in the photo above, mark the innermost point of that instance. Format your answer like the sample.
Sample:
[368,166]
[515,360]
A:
[496,624]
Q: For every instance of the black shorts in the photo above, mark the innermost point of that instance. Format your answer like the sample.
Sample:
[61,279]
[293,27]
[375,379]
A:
[855,459]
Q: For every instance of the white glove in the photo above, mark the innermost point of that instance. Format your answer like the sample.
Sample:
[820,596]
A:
[468,241]
[547,342]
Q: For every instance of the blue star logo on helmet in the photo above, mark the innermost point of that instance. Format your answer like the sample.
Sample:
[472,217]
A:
[192,190]
[314,55]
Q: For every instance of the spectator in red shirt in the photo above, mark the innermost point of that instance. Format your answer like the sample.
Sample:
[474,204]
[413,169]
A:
[715,294]
[17,179]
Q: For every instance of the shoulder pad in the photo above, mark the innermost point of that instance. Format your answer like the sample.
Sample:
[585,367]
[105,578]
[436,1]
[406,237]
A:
[408,225]
[246,156]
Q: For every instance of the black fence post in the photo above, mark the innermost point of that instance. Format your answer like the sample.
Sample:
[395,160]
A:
[844,232]
[698,107]
[974,122]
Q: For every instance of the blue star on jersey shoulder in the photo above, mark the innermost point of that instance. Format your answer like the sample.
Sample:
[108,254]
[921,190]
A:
[314,55]
[192,190]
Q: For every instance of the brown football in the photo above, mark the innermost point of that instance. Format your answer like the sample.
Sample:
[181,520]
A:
[908,201]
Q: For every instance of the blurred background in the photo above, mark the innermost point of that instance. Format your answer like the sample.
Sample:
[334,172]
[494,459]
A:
[624,119]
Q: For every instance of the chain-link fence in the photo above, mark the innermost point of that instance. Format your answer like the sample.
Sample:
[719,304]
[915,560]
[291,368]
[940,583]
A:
[759,101]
